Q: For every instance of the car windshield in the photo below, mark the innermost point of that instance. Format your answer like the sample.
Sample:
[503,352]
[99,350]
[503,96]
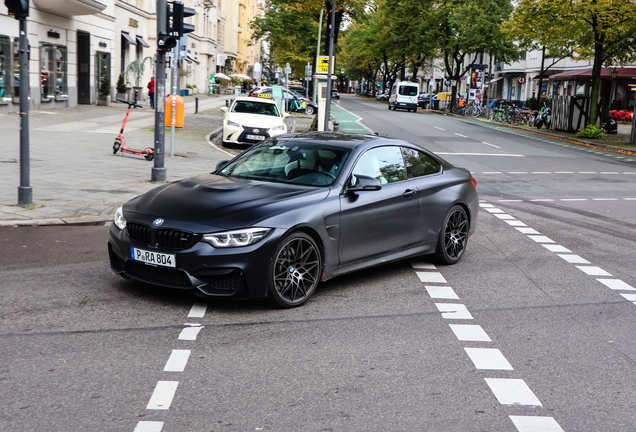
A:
[293,162]
[255,107]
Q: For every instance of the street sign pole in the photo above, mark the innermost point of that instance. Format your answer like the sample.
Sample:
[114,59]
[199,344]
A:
[158,173]
[25,192]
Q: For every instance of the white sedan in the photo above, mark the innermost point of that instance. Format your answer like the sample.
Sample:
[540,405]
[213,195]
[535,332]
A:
[251,120]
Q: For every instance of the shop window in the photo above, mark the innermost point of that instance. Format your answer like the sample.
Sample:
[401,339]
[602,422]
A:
[61,86]
[5,68]
[53,72]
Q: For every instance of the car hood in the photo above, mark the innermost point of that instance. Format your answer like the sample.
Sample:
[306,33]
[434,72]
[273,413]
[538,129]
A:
[224,202]
[255,120]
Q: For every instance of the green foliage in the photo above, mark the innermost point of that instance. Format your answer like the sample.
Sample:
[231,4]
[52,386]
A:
[104,86]
[592,131]
[121,84]
[137,68]
[535,104]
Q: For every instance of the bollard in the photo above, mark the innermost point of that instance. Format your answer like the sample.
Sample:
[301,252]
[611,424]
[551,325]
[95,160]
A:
[227,103]
[196,105]
[336,126]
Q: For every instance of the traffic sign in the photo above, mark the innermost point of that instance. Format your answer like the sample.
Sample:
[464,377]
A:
[323,65]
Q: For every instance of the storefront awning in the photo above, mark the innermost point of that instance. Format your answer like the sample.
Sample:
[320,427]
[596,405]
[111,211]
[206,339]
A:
[142,42]
[495,80]
[586,74]
[128,38]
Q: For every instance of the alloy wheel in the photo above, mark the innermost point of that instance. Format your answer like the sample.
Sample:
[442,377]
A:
[456,233]
[296,271]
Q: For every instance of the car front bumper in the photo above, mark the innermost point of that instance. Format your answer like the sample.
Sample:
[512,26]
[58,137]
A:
[240,272]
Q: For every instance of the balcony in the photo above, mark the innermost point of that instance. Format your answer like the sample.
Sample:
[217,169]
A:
[70,7]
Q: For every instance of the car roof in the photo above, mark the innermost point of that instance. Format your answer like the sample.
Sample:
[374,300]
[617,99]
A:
[253,99]
[340,139]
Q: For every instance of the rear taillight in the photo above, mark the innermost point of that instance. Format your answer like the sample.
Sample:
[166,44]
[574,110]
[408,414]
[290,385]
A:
[473,181]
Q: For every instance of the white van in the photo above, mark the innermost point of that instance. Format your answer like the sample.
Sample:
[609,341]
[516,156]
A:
[404,96]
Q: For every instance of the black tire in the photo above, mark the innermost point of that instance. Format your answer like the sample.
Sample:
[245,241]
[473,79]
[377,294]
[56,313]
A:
[309,110]
[389,105]
[149,154]
[453,237]
[394,107]
[116,146]
[295,271]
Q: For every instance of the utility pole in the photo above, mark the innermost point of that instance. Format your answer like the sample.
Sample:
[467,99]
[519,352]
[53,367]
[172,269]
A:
[158,173]
[332,34]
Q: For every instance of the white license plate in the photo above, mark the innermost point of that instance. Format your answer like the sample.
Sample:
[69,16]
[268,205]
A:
[255,137]
[156,258]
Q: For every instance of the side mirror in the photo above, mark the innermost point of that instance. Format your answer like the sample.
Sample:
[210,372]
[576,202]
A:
[224,109]
[222,165]
[361,182]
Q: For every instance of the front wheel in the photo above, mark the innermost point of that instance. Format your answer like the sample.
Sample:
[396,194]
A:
[116,146]
[295,271]
[453,236]
[149,154]
[309,110]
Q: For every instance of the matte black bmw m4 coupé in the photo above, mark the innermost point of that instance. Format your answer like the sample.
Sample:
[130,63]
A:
[292,211]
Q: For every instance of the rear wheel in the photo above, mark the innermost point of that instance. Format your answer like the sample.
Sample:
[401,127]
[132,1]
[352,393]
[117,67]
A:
[295,271]
[116,146]
[309,110]
[453,236]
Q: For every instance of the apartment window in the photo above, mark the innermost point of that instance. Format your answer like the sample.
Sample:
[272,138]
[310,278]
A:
[5,66]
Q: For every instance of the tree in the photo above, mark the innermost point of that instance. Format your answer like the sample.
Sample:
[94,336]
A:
[600,30]
[459,28]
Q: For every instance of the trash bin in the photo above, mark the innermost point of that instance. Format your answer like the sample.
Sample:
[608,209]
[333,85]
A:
[179,112]
[611,127]
[435,104]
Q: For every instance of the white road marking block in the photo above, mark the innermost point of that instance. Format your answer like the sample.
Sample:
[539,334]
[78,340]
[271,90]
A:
[162,396]
[191,332]
[198,310]
[510,391]
[515,223]
[504,216]
[422,265]
[453,311]
[630,297]
[541,239]
[470,333]
[431,277]
[440,292]
[177,361]
[616,284]
[485,205]
[527,230]
[148,426]
[574,259]
[593,271]
[494,210]
[535,424]
[488,359]
[556,248]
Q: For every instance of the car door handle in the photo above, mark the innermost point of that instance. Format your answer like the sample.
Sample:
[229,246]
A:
[409,193]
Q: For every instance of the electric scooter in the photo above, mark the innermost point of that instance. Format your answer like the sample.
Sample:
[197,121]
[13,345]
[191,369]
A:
[119,144]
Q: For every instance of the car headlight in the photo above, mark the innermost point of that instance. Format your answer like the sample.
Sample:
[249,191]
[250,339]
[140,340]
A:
[238,238]
[233,124]
[119,220]
[278,128]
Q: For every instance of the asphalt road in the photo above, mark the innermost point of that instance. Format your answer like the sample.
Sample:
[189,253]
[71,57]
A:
[534,344]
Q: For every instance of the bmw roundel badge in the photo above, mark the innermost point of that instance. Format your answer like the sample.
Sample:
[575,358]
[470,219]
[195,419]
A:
[158,222]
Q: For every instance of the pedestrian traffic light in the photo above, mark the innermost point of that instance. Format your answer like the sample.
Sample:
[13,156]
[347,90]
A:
[175,27]
[18,8]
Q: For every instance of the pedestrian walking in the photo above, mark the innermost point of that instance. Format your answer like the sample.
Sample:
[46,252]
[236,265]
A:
[151,92]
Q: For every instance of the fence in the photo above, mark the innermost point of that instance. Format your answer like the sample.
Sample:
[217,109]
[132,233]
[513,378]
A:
[571,113]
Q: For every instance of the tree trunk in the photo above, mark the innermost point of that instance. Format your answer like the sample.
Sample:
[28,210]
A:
[541,79]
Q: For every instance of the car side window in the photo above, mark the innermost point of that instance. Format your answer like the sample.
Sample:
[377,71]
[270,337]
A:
[382,163]
[419,164]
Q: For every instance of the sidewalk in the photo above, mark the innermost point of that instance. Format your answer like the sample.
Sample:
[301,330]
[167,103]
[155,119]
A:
[74,176]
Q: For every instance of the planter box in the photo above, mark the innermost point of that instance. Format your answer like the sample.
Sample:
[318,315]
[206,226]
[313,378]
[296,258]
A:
[103,100]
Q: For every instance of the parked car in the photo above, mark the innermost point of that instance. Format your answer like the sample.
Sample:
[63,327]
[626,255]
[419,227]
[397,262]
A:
[382,95]
[293,101]
[423,99]
[292,211]
[335,94]
[251,120]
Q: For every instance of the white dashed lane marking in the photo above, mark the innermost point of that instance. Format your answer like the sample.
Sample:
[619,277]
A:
[574,259]
[431,277]
[177,361]
[198,310]
[488,359]
[616,284]
[470,333]
[535,424]
[593,271]
[149,426]
[162,396]
[453,311]
[190,332]
[441,292]
[509,391]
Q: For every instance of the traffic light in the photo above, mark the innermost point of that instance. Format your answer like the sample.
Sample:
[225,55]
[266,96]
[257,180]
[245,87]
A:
[175,27]
[18,8]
